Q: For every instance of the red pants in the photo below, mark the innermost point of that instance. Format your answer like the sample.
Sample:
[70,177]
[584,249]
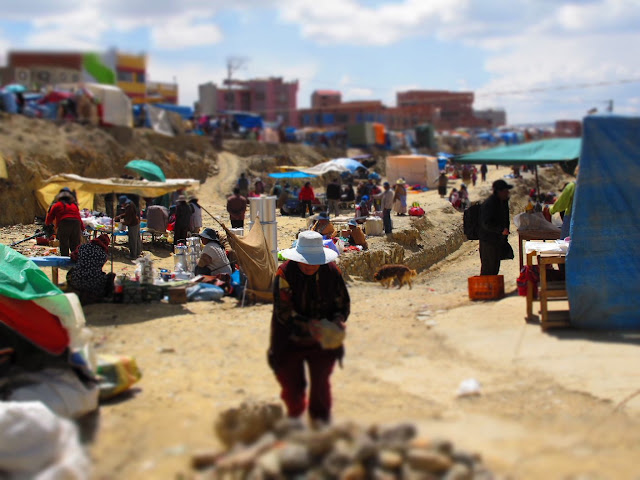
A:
[291,376]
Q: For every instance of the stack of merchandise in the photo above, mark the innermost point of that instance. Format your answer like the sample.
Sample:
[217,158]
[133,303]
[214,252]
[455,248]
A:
[193,253]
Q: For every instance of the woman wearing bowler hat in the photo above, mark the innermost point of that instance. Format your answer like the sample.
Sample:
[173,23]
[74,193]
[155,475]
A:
[311,304]
[213,259]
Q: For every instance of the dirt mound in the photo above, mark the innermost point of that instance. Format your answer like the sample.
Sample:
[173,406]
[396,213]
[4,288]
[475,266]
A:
[36,149]
[284,153]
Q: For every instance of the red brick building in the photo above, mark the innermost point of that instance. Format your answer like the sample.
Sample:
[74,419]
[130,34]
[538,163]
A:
[325,98]
[272,98]
[443,109]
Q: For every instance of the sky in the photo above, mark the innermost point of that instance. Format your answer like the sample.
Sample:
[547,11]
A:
[540,60]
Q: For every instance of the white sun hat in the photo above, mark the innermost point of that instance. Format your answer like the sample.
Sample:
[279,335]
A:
[310,250]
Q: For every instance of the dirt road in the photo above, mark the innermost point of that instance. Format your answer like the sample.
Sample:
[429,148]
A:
[558,405]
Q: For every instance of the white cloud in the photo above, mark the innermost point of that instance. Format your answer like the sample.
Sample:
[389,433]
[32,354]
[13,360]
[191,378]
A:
[80,28]
[185,31]
[356,93]
[349,22]
[345,80]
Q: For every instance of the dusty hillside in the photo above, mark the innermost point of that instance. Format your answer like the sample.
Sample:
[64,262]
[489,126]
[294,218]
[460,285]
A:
[36,149]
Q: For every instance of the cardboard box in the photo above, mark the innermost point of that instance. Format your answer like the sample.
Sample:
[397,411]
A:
[178,295]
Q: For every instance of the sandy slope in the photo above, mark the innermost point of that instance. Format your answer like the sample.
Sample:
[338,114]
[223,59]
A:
[548,407]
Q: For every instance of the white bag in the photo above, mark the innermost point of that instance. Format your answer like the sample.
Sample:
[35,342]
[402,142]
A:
[36,444]
[533,221]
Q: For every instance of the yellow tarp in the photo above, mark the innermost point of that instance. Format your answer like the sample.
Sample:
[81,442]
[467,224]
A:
[3,168]
[86,188]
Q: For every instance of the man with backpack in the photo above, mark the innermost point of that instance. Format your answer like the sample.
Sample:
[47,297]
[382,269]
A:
[493,228]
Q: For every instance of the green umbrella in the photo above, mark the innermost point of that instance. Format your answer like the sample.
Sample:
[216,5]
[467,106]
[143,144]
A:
[147,170]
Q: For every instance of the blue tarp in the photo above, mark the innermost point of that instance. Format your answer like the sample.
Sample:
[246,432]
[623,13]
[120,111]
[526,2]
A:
[246,120]
[290,175]
[603,263]
[184,111]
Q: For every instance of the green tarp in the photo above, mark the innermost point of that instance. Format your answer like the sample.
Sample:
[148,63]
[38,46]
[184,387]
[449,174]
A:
[22,279]
[147,169]
[543,151]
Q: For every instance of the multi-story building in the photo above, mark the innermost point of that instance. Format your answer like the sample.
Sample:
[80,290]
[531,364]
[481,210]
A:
[494,118]
[36,70]
[343,114]
[447,109]
[443,109]
[272,98]
[325,98]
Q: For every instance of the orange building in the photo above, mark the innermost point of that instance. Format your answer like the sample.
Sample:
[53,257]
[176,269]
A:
[36,70]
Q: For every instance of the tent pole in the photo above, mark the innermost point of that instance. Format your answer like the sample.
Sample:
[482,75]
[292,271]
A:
[113,242]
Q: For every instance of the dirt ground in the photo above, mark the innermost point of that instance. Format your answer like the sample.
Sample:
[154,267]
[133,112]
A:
[555,405]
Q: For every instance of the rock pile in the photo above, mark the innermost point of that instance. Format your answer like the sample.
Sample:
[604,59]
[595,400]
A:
[343,451]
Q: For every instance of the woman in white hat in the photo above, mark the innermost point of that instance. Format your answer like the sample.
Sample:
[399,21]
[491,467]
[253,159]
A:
[311,304]
[400,197]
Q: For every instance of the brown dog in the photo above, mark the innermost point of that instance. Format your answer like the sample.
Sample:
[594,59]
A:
[387,273]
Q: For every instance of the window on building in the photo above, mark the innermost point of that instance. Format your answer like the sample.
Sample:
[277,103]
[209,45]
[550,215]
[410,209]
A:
[260,96]
[140,77]
[125,76]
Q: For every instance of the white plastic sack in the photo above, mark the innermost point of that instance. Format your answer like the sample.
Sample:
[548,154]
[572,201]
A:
[60,390]
[204,291]
[533,221]
[38,445]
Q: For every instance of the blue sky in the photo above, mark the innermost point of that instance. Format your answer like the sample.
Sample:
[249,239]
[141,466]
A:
[540,60]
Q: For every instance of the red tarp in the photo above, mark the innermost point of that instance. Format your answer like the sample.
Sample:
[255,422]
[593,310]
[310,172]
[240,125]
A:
[34,323]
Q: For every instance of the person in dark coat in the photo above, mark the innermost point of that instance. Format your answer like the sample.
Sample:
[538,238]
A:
[310,307]
[494,228]
[183,219]
[131,218]
[333,197]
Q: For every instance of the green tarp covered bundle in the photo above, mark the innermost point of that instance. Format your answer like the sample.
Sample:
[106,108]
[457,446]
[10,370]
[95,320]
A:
[22,279]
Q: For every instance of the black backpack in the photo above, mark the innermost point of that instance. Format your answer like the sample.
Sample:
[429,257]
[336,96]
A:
[471,221]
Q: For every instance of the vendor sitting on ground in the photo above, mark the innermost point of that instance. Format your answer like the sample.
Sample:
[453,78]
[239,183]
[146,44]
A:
[324,226]
[213,260]
[356,235]
[86,277]
[362,209]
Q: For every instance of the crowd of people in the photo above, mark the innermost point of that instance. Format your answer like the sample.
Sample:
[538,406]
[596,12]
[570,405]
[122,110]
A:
[311,301]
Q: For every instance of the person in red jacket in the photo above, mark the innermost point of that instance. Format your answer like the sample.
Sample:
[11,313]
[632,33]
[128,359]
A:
[306,197]
[66,216]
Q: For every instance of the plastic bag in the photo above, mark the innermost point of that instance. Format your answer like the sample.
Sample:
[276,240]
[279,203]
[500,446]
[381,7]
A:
[416,211]
[533,221]
[204,292]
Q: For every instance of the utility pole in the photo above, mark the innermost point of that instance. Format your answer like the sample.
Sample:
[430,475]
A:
[233,64]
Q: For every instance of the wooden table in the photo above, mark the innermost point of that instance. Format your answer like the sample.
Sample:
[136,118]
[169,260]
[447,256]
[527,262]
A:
[548,291]
[526,235]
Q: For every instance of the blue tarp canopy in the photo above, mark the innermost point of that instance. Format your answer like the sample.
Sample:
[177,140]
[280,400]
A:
[603,263]
[553,150]
[246,120]
[291,175]
[184,111]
